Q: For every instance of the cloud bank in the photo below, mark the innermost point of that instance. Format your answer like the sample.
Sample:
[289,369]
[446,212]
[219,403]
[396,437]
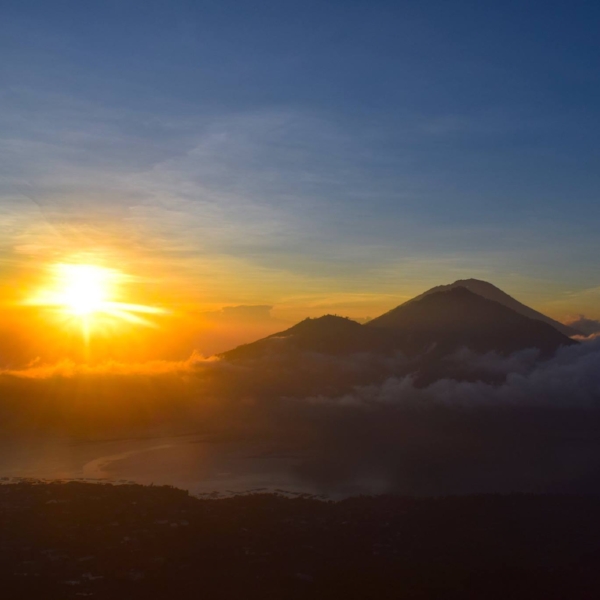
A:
[534,426]
[69,369]
[571,379]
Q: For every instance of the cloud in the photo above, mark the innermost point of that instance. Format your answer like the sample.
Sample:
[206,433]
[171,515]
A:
[362,320]
[69,369]
[571,379]
[248,311]
[536,430]
[266,195]
[585,325]
[243,312]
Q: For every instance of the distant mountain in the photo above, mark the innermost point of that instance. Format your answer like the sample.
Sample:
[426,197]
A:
[329,334]
[444,321]
[328,355]
[491,292]
[459,317]
[331,354]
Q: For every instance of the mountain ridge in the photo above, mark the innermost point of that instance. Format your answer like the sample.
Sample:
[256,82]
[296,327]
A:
[491,292]
[457,317]
[449,319]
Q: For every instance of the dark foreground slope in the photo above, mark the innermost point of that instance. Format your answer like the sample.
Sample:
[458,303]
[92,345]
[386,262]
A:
[75,540]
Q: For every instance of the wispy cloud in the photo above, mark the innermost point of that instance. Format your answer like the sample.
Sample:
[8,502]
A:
[68,369]
[288,201]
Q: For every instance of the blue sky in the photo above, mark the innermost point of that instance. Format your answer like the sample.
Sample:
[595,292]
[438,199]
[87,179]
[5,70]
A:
[308,153]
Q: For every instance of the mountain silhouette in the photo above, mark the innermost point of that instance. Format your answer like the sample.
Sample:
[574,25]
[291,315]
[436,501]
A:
[329,334]
[436,323]
[423,338]
[458,318]
[491,292]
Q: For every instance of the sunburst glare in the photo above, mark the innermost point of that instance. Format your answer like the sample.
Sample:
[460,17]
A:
[89,294]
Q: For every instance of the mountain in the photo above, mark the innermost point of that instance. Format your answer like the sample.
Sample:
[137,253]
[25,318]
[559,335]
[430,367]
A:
[444,320]
[329,355]
[458,317]
[491,292]
[329,334]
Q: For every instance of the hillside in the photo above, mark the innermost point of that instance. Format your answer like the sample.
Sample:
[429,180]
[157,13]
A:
[74,540]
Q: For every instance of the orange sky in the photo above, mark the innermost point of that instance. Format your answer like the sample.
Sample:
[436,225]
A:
[205,305]
[207,300]
[258,160]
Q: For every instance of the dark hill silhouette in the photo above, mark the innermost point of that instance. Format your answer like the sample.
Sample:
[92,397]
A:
[435,324]
[491,292]
[315,356]
[329,334]
[460,318]
[130,542]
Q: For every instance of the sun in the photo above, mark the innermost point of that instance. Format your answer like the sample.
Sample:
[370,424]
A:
[84,289]
[91,296]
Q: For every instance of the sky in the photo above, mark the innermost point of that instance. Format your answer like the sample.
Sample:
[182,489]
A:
[260,162]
